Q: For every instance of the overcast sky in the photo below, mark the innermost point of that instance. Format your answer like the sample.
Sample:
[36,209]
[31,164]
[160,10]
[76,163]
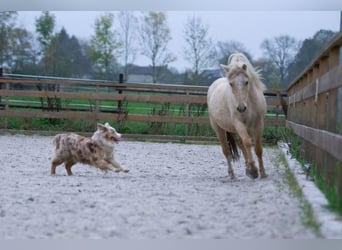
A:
[248,27]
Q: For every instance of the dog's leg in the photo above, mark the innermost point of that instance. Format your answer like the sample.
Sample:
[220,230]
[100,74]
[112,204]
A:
[54,164]
[68,166]
[103,165]
[118,167]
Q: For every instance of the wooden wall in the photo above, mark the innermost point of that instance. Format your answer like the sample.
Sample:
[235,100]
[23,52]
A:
[315,114]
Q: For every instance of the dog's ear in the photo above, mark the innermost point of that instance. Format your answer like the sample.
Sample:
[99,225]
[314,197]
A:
[101,127]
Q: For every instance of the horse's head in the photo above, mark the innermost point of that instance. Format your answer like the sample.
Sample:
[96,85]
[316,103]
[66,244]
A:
[238,79]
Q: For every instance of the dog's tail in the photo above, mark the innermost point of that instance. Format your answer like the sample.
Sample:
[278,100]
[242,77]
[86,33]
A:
[56,141]
[231,140]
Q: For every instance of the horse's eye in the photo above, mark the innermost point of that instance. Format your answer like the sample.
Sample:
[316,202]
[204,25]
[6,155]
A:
[230,83]
[247,83]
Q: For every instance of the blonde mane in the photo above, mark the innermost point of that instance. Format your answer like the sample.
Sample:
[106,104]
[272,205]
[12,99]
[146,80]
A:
[237,59]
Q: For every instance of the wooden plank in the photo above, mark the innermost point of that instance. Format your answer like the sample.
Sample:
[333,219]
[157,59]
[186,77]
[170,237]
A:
[125,86]
[336,42]
[329,81]
[115,85]
[273,101]
[112,116]
[144,137]
[103,116]
[327,141]
[180,99]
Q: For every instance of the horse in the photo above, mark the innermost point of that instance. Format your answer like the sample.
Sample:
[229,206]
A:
[237,106]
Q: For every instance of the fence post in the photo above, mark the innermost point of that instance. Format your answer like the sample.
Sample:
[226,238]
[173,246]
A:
[1,72]
[187,113]
[97,109]
[121,78]
[6,98]
[6,107]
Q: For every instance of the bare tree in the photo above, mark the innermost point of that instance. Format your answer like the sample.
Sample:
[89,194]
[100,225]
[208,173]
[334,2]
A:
[198,50]
[128,33]
[281,51]
[155,36]
[226,48]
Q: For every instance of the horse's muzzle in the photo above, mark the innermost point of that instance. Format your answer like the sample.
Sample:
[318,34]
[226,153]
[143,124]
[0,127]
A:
[241,108]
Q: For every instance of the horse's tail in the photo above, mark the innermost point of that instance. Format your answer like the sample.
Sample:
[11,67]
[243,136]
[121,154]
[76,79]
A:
[231,140]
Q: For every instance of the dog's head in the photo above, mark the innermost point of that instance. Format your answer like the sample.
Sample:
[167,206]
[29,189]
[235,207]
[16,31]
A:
[108,133]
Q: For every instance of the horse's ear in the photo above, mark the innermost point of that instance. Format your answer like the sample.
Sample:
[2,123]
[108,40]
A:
[244,66]
[225,67]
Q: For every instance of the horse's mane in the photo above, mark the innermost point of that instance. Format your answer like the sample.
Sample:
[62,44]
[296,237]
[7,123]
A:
[254,73]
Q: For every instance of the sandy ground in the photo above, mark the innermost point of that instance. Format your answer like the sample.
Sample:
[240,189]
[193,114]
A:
[172,191]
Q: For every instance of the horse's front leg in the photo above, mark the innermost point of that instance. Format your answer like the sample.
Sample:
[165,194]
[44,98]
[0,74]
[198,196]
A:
[251,169]
[258,152]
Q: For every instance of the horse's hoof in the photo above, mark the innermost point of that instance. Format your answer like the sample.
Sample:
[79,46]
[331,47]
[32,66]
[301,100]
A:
[263,175]
[232,177]
[125,170]
[252,173]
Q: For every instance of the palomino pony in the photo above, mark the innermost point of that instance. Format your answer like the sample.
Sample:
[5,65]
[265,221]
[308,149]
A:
[237,107]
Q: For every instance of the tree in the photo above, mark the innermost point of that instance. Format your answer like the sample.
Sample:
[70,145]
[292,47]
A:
[128,33]
[45,25]
[16,45]
[104,46]
[23,58]
[7,25]
[280,51]
[268,73]
[226,48]
[198,48]
[307,52]
[155,36]
[80,59]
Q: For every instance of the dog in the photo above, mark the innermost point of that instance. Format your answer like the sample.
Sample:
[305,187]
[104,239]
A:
[97,151]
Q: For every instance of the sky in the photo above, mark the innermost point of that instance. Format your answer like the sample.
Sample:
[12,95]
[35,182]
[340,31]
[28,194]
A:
[247,27]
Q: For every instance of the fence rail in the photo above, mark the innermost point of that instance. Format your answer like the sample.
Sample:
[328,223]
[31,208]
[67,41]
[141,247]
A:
[315,114]
[42,97]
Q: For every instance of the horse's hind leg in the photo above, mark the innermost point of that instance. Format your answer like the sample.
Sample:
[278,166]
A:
[221,135]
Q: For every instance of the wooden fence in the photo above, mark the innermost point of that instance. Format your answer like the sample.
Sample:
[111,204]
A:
[315,114]
[106,101]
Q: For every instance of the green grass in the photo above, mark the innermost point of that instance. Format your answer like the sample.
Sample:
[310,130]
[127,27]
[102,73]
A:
[307,215]
[330,189]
